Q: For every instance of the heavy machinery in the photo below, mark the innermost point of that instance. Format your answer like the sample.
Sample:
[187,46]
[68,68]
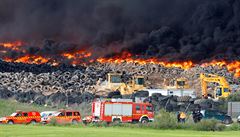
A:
[175,87]
[115,83]
[222,90]
[179,83]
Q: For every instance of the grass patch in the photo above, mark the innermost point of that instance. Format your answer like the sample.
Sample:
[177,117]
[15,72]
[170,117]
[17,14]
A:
[76,131]
[7,107]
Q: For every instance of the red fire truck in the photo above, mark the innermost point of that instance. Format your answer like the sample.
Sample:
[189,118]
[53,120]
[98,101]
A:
[120,110]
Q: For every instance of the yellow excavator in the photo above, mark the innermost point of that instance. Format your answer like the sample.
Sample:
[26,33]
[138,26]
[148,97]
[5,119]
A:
[223,89]
[114,82]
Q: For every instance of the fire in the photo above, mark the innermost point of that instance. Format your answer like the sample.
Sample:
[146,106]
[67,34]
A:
[77,57]
[12,45]
[233,66]
[83,57]
[30,59]
[127,57]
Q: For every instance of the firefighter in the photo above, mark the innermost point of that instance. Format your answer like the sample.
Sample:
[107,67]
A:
[182,117]
[197,116]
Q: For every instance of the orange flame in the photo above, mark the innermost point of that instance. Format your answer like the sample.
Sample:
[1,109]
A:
[233,66]
[12,45]
[83,57]
[30,59]
[77,57]
[127,57]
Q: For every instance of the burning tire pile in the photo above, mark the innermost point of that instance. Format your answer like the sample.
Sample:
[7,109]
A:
[44,84]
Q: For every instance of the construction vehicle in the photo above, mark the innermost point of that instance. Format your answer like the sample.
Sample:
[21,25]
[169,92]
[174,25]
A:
[222,90]
[115,83]
[120,111]
[179,83]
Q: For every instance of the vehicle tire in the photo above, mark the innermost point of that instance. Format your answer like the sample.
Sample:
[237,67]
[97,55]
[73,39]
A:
[141,93]
[204,103]
[144,120]
[74,122]
[85,122]
[227,121]
[33,122]
[113,94]
[10,122]
[116,121]
[183,99]
[155,96]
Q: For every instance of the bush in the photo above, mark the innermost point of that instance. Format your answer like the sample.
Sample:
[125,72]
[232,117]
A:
[234,127]
[53,122]
[165,120]
[234,97]
[209,125]
[99,124]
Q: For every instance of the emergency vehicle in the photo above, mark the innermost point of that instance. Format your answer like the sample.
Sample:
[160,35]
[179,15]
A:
[21,117]
[120,110]
[64,116]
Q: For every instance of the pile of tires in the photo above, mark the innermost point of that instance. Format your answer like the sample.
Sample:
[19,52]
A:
[114,94]
[206,103]
[140,93]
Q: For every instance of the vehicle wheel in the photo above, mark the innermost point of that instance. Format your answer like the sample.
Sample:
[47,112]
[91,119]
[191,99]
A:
[74,122]
[33,122]
[144,120]
[85,122]
[10,122]
[116,121]
[227,121]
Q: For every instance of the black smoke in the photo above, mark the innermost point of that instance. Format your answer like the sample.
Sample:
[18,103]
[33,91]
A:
[168,29]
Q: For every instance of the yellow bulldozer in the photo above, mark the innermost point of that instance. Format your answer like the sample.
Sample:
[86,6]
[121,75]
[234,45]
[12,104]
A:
[114,82]
[222,90]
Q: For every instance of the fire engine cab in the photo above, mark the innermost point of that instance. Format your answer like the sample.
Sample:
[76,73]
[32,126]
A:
[121,110]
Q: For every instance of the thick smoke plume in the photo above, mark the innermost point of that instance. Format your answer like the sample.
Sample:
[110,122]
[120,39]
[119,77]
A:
[171,30]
